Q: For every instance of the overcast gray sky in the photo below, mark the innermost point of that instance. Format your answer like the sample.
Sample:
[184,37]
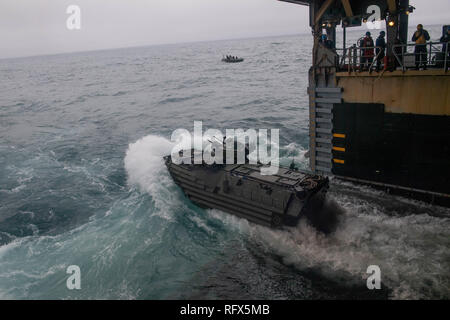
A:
[33,27]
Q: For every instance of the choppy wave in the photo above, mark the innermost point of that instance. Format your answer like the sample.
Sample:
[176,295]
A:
[409,250]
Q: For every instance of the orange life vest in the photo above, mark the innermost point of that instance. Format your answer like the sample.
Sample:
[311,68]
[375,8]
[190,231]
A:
[421,39]
[368,42]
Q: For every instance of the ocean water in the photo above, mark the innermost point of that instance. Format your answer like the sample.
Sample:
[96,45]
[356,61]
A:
[82,182]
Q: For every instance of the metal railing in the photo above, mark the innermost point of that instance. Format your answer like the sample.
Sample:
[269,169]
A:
[354,58]
[357,58]
[407,57]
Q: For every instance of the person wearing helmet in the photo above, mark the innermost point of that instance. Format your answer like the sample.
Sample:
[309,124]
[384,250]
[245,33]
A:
[367,53]
[381,49]
[326,42]
[420,37]
[445,39]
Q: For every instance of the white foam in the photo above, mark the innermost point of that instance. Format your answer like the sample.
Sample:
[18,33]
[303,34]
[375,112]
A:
[297,153]
[412,251]
[145,168]
[4,249]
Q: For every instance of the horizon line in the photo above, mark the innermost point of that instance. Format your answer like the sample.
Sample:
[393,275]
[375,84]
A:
[166,44]
[147,45]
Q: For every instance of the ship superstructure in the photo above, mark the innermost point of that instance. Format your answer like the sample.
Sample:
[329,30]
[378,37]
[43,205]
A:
[386,126]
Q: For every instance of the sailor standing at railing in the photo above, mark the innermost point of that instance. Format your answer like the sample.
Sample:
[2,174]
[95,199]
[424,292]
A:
[420,37]
[326,42]
[445,39]
[368,53]
[381,49]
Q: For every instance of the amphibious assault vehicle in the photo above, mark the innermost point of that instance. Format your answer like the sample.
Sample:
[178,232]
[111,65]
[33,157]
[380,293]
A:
[240,189]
